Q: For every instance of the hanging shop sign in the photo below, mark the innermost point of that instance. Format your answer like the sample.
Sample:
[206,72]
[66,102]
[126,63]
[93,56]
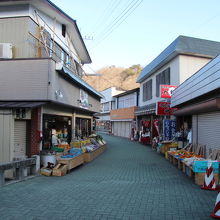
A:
[146,124]
[156,126]
[84,102]
[169,129]
[163,108]
[166,91]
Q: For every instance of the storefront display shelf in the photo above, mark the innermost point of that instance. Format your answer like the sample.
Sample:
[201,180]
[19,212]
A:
[167,146]
[198,178]
[72,162]
[92,155]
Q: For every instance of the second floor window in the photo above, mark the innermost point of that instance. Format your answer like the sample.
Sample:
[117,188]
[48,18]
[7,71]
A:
[147,90]
[162,78]
[126,101]
[105,107]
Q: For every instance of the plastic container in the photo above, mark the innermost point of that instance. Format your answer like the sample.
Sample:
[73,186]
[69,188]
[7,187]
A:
[44,159]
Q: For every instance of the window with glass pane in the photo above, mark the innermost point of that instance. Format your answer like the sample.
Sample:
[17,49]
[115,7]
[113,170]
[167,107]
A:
[147,91]
[163,78]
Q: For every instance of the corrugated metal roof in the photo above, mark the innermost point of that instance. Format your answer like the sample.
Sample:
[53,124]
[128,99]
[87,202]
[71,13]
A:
[127,92]
[21,104]
[181,45]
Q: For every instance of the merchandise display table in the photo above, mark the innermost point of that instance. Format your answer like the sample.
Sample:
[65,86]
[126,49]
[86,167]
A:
[92,155]
[72,162]
[167,146]
[198,177]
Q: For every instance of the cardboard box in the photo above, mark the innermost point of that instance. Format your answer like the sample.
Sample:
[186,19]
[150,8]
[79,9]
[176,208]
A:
[200,178]
[60,170]
[45,171]
[201,166]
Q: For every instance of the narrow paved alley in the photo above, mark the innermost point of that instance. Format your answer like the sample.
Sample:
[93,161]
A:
[128,181]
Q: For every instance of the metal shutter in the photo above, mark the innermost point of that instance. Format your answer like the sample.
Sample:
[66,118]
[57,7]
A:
[5,135]
[209,130]
[115,128]
[194,129]
[20,139]
[128,129]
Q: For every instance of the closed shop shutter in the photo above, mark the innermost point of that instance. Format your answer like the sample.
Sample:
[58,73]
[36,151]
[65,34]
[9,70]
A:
[5,135]
[20,139]
[194,129]
[209,130]
[123,130]
[115,128]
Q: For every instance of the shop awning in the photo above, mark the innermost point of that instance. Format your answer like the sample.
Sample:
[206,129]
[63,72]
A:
[146,110]
[207,106]
[21,104]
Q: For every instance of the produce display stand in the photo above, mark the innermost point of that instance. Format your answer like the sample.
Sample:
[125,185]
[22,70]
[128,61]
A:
[92,155]
[72,162]
[167,146]
[198,177]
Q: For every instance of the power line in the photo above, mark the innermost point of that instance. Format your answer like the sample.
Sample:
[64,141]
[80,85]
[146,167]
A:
[118,22]
[107,19]
[106,13]
[205,23]
[118,17]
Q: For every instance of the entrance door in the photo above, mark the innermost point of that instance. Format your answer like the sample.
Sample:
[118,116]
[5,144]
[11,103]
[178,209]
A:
[20,139]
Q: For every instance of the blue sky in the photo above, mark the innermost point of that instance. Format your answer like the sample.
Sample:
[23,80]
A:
[145,33]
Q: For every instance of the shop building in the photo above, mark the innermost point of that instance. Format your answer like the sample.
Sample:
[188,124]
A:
[42,55]
[198,103]
[107,104]
[182,58]
[123,118]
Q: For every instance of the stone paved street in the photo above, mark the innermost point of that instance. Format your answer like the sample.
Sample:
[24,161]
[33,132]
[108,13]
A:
[128,181]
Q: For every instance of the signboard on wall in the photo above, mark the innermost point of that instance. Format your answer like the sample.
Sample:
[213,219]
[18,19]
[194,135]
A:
[166,91]
[163,108]
[169,129]
[84,102]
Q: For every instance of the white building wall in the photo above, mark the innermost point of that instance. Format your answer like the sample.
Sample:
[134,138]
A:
[109,93]
[53,24]
[181,68]
[174,80]
[190,65]
[205,80]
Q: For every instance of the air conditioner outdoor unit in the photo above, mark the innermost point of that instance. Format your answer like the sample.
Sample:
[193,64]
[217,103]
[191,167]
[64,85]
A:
[5,51]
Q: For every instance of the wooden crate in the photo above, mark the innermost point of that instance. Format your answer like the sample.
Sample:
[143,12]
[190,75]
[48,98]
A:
[180,164]
[200,177]
[92,155]
[60,170]
[45,171]
[72,162]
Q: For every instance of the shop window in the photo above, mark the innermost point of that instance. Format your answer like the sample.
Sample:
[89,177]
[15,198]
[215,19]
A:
[162,78]
[147,90]
[59,125]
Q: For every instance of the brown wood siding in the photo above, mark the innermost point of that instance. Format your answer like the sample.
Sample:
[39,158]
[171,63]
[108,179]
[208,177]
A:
[15,31]
[123,113]
[24,79]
